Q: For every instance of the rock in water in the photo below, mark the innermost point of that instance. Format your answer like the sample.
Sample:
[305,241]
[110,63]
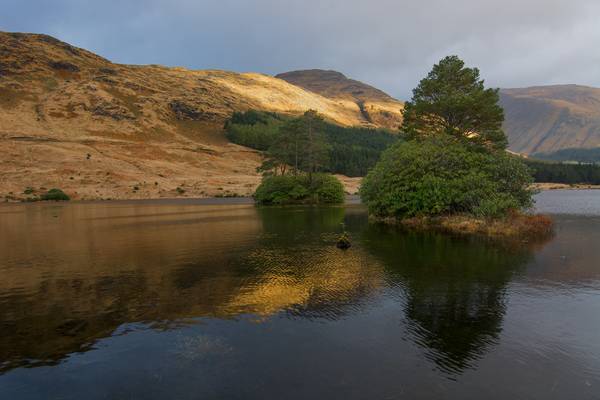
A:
[343,242]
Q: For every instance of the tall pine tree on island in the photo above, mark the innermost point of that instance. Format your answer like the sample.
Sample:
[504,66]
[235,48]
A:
[453,100]
[453,172]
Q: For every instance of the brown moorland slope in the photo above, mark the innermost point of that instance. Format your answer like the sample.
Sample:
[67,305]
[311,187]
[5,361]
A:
[550,118]
[96,129]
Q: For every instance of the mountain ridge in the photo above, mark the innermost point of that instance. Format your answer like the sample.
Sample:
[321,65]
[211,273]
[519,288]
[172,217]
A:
[97,129]
[72,119]
[545,119]
[335,85]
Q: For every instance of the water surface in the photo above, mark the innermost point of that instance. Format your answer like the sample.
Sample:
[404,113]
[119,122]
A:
[190,300]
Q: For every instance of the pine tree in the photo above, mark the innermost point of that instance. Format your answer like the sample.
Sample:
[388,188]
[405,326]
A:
[453,100]
[315,154]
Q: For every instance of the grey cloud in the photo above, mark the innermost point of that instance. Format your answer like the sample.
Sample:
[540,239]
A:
[390,44]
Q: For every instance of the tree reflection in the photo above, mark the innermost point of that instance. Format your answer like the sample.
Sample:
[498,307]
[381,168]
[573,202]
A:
[455,288]
[166,267]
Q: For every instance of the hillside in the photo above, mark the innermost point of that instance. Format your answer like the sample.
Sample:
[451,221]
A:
[550,118]
[376,106]
[74,120]
[543,119]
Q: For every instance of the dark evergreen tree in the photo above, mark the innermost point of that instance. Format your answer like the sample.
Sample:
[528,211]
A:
[314,149]
[452,100]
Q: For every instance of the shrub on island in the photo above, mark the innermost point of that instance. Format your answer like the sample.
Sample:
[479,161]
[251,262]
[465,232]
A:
[437,182]
[453,172]
[299,189]
[438,175]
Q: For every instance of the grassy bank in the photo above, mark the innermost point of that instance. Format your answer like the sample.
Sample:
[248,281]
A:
[513,226]
[563,186]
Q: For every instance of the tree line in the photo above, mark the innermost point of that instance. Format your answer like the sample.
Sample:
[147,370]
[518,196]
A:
[308,142]
[582,155]
[353,151]
[569,173]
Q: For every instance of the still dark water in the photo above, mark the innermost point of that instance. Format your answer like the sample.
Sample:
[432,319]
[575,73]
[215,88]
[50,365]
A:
[186,300]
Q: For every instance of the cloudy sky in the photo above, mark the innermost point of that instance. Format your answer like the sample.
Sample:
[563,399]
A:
[390,44]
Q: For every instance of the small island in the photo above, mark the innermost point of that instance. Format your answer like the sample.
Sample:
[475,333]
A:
[452,172]
[291,170]
[447,168]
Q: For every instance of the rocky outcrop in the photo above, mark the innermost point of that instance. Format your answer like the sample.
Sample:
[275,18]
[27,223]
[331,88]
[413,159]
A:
[112,110]
[64,65]
[184,111]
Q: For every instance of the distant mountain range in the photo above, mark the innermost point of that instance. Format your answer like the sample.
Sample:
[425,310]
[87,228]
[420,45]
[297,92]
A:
[551,122]
[72,119]
[542,121]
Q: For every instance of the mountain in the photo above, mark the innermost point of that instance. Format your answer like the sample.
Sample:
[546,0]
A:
[547,119]
[96,129]
[551,122]
[74,120]
[376,106]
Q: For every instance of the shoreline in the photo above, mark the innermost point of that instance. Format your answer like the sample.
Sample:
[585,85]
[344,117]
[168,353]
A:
[351,199]
[564,186]
[240,200]
[515,226]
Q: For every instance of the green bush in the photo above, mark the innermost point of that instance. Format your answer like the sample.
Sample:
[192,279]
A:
[55,195]
[300,189]
[328,189]
[439,175]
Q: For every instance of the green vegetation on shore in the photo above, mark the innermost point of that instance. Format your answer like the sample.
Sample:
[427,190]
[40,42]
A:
[33,195]
[569,173]
[55,195]
[572,155]
[453,171]
[354,151]
[350,151]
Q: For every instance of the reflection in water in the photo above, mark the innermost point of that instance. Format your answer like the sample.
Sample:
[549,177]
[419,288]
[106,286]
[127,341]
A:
[455,288]
[79,272]
[302,271]
[146,265]
[258,294]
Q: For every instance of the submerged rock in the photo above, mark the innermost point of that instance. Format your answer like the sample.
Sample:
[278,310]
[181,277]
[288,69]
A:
[343,242]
